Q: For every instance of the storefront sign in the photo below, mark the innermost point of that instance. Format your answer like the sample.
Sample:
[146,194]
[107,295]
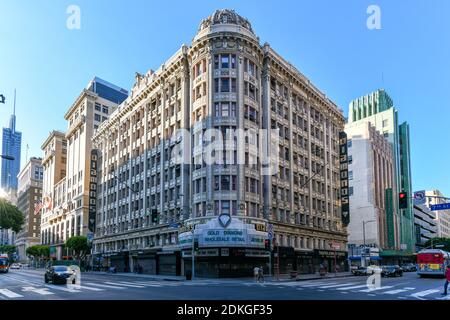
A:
[215,233]
[343,170]
[329,253]
[93,191]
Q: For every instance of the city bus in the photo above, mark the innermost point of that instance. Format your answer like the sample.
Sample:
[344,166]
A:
[432,262]
[4,263]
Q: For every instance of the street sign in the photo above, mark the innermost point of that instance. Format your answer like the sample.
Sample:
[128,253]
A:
[441,206]
[419,197]
[174,225]
[270,231]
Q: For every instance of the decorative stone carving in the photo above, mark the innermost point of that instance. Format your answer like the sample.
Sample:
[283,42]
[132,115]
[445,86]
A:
[225,16]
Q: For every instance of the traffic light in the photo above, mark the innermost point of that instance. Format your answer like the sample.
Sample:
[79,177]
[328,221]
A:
[154,216]
[402,200]
[267,244]
[196,248]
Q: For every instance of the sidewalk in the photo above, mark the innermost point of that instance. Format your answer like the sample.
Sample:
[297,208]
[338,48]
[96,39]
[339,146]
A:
[282,277]
[140,275]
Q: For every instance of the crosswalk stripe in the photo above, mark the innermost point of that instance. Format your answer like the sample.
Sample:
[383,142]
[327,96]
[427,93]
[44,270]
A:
[398,291]
[424,293]
[10,294]
[42,291]
[337,285]
[124,284]
[352,287]
[376,289]
[316,284]
[138,283]
[79,287]
[104,285]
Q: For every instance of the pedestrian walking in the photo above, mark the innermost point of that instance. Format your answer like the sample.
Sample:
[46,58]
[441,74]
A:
[447,280]
[256,273]
[261,274]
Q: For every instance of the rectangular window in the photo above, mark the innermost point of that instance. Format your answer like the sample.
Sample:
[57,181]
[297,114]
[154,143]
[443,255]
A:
[350,175]
[385,123]
[105,109]
[233,61]
[225,109]
[349,143]
[98,106]
[97,117]
[224,85]
[216,61]
[225,61]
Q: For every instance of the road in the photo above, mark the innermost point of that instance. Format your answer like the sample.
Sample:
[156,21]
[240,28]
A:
[28,284]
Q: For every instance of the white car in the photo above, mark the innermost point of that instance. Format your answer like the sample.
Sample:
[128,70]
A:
[15,266]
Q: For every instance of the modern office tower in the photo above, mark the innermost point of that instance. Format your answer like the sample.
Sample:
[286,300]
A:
[11,144]
[378,109]
[29,195]
[66,188]
[442,216]
[425,225]
[374,222]
[148,202]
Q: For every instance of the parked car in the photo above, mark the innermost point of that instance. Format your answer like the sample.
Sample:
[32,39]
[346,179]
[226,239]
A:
[409,267]
[391,271]
[60,274]
[359,271]
[15,266]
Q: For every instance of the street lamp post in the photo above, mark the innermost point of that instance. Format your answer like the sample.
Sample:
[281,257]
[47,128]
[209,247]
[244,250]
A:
[364,241]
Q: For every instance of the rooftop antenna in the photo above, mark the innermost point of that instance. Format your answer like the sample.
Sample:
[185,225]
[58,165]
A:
[26,152]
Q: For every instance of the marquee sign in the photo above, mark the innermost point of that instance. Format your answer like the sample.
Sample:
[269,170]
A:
[343,174]
[229,233]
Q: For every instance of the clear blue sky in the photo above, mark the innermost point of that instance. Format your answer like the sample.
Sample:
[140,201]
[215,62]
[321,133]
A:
[327,40]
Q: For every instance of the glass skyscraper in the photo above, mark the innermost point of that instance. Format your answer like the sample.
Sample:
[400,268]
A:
[11,145]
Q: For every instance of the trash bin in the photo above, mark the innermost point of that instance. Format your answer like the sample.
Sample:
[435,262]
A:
[188,275]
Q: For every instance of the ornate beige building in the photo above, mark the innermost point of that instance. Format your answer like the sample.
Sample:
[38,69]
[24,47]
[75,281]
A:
[225,80]
[67,168]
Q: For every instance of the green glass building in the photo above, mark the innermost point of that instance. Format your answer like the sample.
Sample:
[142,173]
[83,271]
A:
[378,108]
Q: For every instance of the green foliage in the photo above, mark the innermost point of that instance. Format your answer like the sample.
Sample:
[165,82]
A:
[438,241]
[38,251]
[10,216]
[6,248]
[78,244]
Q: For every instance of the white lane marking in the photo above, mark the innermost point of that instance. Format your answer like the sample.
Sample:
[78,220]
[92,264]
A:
[142,284]
[8,293]
[337,285]
[56,287]
[424,293]
[375,289]
[444,298]
[352,287]
[317,284]
[124,284]
[104,285]
[398,291]
[42,291]
[79,287]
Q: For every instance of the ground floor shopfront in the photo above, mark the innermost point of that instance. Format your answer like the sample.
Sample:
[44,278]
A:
[152,261]
[308,261]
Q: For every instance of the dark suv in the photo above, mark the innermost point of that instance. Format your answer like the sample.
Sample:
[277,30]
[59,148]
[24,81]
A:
[391,271]
[60,274]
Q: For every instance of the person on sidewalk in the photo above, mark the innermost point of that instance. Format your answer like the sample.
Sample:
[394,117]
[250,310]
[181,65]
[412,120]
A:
[256,273]
[447,280]
[261,274]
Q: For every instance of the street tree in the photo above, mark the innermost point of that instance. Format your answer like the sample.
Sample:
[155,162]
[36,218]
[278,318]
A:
[10,216]
[436,243]
[79,245]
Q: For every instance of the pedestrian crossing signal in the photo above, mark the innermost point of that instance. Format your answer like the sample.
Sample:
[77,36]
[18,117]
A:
[196,247]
